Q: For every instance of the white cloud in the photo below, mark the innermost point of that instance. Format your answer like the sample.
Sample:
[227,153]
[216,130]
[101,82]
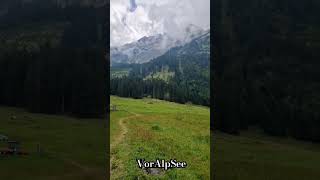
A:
[132,19]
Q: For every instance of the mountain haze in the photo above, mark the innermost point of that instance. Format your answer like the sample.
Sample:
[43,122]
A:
[148,48]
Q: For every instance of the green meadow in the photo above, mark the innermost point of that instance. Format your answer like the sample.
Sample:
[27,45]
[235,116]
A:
[70,148]
[255,156]
[153,129]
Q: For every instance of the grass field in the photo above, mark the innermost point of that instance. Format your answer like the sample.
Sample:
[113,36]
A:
[152,129]
[255,156]
[71,148]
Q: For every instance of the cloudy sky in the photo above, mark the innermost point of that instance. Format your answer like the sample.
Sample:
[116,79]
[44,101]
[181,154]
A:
[132,19]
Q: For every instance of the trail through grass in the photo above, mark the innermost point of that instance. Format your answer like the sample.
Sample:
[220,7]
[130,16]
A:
[159,130]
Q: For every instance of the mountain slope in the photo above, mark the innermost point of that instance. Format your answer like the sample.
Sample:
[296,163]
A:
[142,50]
[148,48]
[180,59]
[180,75]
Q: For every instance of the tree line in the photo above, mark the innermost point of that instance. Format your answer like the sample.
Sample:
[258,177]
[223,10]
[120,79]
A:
[174,90]
[265,67]
[68,78]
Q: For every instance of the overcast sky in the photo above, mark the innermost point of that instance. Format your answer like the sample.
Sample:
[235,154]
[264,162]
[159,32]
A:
[132,19]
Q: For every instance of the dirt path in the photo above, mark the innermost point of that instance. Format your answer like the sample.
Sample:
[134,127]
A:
[123,131]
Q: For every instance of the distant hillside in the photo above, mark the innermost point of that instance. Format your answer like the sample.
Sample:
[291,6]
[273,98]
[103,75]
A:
[181,75]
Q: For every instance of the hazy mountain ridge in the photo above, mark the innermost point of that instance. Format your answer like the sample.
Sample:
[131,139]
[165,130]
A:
[195,53]
[148,48]
[199,45]
[142,50]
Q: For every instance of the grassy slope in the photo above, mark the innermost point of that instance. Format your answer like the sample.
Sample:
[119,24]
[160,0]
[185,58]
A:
[73,148]
[164,75]
[119,72]
[254,156]
[163,130]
